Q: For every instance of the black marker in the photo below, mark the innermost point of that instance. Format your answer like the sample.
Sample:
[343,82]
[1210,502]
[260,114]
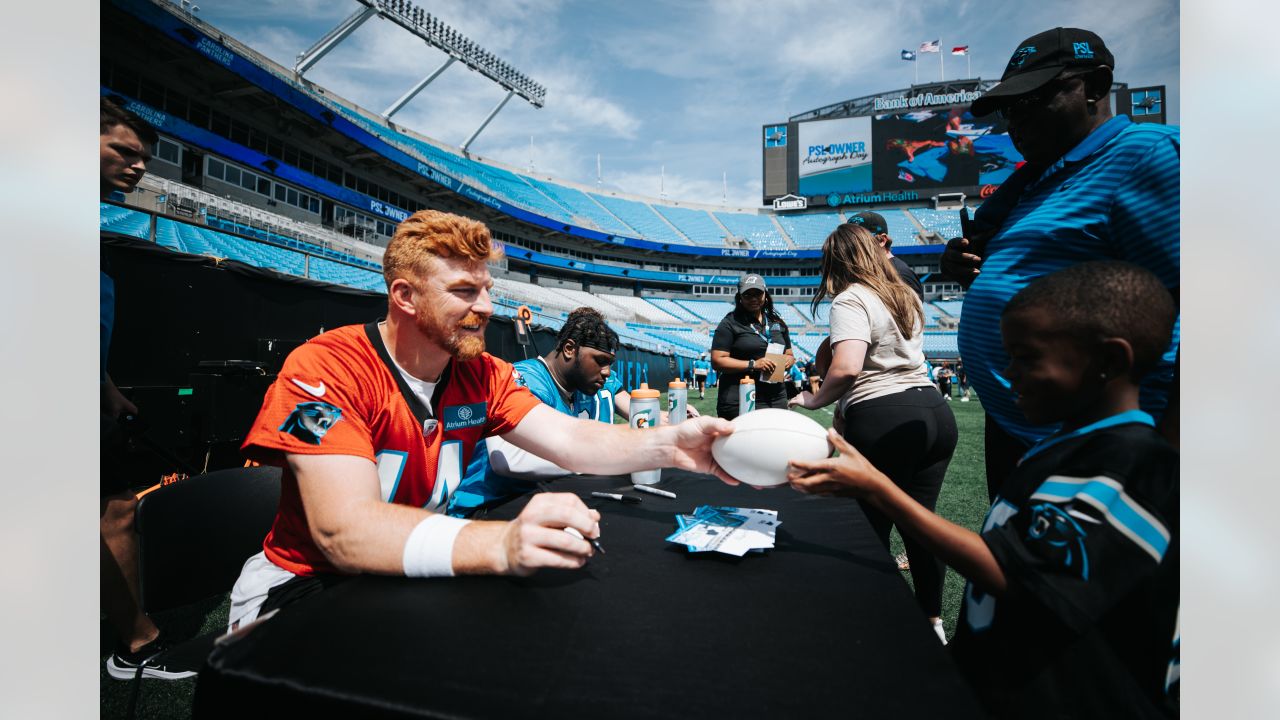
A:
[625,499]
[542,487]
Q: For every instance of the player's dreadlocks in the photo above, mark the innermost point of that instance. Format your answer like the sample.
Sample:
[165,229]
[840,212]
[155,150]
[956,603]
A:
[587,327]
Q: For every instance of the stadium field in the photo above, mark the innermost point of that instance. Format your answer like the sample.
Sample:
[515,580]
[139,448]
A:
[963,500]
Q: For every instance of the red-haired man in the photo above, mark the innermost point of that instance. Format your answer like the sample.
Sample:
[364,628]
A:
[373,425]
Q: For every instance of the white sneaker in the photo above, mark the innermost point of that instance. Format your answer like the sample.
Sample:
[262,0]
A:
[937,628]
[964,399]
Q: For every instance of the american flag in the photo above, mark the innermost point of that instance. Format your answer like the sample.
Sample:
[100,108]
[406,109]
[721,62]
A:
[931,46]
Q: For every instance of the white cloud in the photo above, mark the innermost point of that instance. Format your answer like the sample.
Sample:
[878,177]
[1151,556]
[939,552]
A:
[685,85]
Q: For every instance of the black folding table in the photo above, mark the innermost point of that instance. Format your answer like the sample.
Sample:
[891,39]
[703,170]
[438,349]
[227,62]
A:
[822,625]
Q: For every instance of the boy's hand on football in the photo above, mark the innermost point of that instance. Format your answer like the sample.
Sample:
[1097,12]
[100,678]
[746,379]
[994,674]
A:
[849,474]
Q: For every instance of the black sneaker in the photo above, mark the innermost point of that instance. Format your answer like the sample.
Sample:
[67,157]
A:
[124,666]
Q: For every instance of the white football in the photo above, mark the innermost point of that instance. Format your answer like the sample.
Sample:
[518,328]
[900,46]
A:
[764,441]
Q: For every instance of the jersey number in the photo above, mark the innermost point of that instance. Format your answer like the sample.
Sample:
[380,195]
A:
[448,473]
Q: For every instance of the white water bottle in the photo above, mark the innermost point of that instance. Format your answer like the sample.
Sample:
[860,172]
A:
[677,401]
[746,395]
[645,411]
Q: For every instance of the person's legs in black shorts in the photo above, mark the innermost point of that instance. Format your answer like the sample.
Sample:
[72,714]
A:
[909,436]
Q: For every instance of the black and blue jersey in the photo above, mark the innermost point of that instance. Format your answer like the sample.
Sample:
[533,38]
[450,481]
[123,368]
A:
[1086,532]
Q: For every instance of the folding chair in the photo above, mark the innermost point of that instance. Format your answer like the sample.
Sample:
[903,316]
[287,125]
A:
[194,536]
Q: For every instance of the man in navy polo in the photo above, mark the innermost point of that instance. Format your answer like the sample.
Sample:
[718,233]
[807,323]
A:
[1094,187]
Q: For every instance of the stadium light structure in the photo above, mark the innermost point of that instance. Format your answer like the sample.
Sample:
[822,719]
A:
[438,34]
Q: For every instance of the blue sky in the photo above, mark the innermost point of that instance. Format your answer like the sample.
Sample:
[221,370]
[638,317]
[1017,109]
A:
[680,86]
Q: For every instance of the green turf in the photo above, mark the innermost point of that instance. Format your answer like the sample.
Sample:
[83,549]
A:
[963,500]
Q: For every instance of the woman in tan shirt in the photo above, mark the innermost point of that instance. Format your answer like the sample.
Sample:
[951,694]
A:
[890,410]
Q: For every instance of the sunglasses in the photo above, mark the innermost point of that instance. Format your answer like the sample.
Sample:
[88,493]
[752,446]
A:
[1036,99]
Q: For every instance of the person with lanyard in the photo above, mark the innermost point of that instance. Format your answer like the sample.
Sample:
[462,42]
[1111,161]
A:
[1094,187]
[740,346]
[1072,602]
[576,378]
[886,405]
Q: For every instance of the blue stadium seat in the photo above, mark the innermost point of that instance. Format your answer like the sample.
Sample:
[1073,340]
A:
[944,222]
[582,207]
[808,231]
[116,219]
[709,311]
[672,308]
[758,230]
[807,342]
[940,344]
[697,225]
[903,231]
[950,307]
[339,274]
[790,315]
[642,218]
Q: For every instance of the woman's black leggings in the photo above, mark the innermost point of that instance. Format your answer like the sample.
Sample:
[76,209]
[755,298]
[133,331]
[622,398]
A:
[909,436]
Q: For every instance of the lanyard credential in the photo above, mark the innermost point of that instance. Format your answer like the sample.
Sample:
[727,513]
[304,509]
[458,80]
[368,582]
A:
[767,329]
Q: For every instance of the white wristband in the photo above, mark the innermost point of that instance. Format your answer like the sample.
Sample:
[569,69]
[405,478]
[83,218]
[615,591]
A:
[429,550]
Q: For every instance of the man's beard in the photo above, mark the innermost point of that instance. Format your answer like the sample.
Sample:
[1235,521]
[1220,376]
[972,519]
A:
[576,379]
[462,347]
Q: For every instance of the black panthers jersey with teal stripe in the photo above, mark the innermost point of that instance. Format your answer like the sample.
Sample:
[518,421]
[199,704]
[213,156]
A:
[1086,532]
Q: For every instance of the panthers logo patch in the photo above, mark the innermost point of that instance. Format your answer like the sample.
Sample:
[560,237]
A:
[1060,538]
[1020,56]
[310,421]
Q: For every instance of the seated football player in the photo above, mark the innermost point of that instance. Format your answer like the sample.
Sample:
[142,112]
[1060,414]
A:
[576,379]
[372,425]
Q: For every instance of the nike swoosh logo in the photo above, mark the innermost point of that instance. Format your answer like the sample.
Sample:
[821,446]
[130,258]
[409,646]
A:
[312,390]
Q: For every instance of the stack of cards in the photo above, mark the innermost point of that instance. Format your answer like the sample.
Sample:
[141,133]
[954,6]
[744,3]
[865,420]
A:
[730,530]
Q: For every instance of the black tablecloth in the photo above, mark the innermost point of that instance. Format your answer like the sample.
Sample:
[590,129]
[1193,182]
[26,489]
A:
[821,625]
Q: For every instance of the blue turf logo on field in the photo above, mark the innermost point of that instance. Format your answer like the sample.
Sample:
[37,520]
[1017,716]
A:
[465,416]
[1082,50]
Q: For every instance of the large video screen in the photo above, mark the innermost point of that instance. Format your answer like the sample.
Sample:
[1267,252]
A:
[835,156]
[940,148]
[900,155]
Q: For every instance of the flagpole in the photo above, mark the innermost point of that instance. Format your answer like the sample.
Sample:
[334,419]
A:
[968,69]
[916,66]
[942,71]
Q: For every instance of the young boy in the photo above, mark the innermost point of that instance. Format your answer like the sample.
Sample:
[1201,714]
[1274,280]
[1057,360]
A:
[1072,604]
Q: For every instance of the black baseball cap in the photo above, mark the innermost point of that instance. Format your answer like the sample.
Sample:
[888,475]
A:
[871,221]
[1039,59]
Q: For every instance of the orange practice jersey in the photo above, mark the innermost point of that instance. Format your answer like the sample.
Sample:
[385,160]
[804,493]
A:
[336,396]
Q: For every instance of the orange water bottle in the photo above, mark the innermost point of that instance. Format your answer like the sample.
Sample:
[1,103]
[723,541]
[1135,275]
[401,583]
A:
[645,413]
